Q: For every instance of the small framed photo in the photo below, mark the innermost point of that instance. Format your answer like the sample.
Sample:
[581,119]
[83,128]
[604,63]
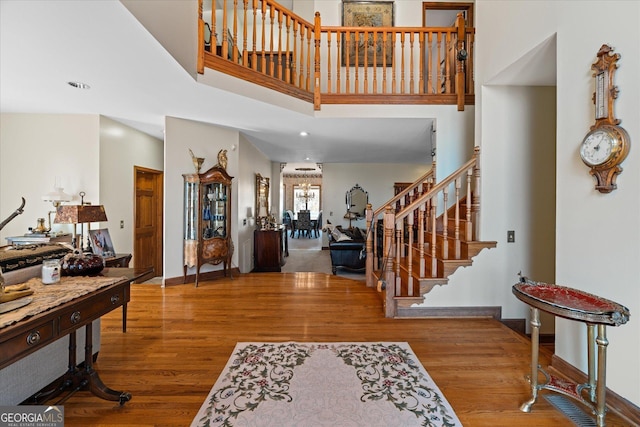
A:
[101,243]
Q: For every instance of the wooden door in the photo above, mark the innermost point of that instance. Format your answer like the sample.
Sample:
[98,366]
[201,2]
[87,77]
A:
[147,242]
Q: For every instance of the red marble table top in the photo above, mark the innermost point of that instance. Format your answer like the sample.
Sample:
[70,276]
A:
[571,303]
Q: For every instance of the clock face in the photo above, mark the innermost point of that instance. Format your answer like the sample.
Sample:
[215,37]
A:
[598,147]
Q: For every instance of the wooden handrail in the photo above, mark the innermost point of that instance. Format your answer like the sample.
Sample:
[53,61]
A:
[330,64]
[404,223]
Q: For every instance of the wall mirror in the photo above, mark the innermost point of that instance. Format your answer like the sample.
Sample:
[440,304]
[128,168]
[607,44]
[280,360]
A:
[357,200]
[262,196]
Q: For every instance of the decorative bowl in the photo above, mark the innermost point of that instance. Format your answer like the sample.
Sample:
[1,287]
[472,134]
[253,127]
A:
[76,264]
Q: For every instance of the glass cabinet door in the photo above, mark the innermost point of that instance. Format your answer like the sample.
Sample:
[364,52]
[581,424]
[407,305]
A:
[215,198]
[190,225]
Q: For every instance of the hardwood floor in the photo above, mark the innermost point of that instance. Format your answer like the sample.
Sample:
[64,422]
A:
[179,338]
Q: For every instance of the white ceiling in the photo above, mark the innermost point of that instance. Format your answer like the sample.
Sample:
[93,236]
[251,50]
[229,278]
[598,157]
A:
[45,44]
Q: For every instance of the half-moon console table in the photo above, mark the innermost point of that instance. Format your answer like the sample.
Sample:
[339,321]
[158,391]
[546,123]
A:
[572,304]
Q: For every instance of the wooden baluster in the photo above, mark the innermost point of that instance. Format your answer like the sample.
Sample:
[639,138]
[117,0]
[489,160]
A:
[476,194]
[421,232]
[357,62]
[384,61]
[347,70]
[468,230]
[376,42]
[294,60]
[263,59]
[447,63]
[280,44]
[225,32]
[411,65]
[460,89]
[445,223]
[434,260]
[469,75]
[287,76]
[245,59]
[393,63]
[456,230]
[329,84]
[316,67]
[368,243]
[254,54]
[365,62]
[410,255]
[309,56]
[272,64]
[421,64]
[439,82]
[234,36]
[300,73]
[402,66]
[339,57]
[430,63]
[214,37]
[398,256]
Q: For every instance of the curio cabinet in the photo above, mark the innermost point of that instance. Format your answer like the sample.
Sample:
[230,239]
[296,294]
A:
[207,220]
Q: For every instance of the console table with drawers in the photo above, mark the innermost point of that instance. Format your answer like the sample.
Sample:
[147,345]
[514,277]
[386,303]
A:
[32,333]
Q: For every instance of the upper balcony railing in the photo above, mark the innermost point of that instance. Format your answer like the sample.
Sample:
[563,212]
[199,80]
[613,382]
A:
[262,42]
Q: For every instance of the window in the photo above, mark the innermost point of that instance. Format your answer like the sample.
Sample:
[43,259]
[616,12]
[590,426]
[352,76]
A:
[311,203]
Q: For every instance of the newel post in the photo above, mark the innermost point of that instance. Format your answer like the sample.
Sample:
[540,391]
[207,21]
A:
[461,57]
[316,71]
[388,275]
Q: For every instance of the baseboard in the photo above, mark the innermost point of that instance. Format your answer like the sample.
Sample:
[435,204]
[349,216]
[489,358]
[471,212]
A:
[518,325]
[615,403]
[191,278]
[451,312]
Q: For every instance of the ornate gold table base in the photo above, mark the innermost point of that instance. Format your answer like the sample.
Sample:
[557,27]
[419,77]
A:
[577,305]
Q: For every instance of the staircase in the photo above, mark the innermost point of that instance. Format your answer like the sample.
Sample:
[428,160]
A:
[423,235]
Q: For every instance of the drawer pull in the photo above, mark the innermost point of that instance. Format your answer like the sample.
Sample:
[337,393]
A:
[75,317]
[115,299]
[33,338]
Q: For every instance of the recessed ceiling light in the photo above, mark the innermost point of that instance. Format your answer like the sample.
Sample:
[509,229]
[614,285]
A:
[79,85]
[303,133]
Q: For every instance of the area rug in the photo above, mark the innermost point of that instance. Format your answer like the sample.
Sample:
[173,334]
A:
[325,384]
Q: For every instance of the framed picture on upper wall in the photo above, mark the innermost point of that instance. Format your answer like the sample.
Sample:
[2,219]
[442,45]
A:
[356,48]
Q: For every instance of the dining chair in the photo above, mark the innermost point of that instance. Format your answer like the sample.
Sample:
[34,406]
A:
[317,224]
[291,222]
[303,224]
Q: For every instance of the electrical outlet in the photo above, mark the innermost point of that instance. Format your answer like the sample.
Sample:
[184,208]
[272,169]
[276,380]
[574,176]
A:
[331,213]
[121,223]
[244,221]
[511,236]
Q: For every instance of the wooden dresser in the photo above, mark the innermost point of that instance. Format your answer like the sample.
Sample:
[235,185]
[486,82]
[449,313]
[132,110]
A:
[270,247]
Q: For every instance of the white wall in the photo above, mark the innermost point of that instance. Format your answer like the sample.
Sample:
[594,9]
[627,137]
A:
[37,149]
[253,162]
[597,235]
[205,141]
[122,148]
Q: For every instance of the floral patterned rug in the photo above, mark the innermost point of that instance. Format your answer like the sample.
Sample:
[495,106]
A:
[325,384]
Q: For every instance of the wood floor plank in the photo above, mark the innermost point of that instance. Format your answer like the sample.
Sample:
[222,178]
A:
[179,338]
